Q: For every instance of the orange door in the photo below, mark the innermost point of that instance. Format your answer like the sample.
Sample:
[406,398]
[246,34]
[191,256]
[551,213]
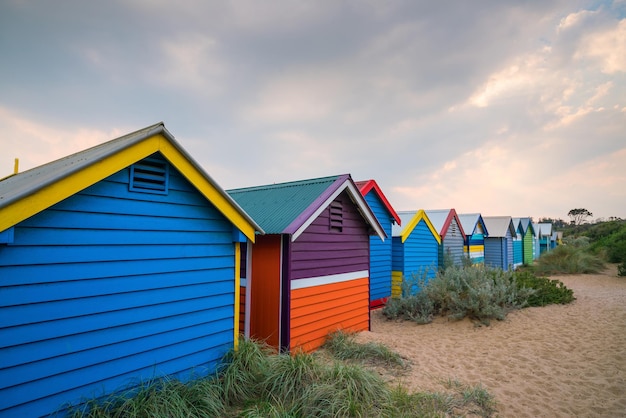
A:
[265,289]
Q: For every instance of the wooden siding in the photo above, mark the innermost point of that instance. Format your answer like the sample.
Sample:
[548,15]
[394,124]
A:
[527,247]
[475,245]
[518,255]
[496,254]
[396,284]
[318,310]
[509,251]
[109,287]
[417,257]
[266,286]
[318,251]
[380,254]
[453,243]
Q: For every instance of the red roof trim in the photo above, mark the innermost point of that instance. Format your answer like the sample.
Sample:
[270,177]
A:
[451,215]
[367,185]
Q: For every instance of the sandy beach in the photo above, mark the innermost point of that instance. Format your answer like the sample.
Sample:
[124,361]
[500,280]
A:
[554,361]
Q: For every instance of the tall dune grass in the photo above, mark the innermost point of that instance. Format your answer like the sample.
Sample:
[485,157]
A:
[255,382]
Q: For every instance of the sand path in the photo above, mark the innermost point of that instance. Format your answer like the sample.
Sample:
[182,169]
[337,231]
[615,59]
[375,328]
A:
[555,361]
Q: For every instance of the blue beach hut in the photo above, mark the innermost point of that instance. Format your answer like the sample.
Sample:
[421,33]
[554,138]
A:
[380,251]
[415,247]
[499,243]
[518,253]
[118,264]
[475,232]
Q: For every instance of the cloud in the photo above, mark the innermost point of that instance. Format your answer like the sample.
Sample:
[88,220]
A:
[607,46]
[35,143]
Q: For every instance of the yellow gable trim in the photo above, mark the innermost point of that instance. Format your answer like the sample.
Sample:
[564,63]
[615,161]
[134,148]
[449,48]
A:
[74,183]
[413,223]
[209,191]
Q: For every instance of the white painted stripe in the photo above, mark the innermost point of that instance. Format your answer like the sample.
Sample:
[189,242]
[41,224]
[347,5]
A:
[333,278]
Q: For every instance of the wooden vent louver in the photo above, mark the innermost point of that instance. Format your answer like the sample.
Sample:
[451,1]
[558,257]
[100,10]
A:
[336,216]
[150,175]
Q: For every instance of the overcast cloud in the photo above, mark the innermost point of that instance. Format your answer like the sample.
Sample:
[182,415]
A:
[503,108]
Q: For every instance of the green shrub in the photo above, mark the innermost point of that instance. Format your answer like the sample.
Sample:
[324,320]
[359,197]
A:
[547,291]
[621,269]
[478,292]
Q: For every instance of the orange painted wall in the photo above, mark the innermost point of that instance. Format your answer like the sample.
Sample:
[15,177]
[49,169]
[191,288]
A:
[265,289]
[316,311]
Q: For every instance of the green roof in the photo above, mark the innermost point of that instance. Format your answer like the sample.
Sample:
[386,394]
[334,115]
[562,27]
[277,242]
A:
[275,206]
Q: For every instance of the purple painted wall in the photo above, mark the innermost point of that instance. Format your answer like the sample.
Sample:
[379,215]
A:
[332,244]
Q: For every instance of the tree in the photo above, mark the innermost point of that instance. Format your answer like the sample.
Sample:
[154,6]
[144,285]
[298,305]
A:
[579,216]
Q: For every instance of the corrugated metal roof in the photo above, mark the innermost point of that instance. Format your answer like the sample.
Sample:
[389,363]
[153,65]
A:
[438,218]
[498,225]
[470,220]
[441,219]
[275,206]
[22,185]
[28,182]
[546,229]
[405,217]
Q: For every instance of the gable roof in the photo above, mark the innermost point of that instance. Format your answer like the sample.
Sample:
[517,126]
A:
[370,185]
[289,208]
[525,225]
[498,226]
[25,194]
[441,219]
[470,220]
[545,229]
[410,219]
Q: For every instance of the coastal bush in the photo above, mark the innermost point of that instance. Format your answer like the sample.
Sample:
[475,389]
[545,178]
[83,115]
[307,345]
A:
[546,291]
[478,292]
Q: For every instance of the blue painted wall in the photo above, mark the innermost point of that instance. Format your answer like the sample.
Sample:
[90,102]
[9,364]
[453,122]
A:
[496,254]
[109,287]
[419,254]
[380,251]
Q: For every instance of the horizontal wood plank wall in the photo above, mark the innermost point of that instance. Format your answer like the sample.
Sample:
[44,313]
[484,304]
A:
[518,255]
[527,247]
[319,310]
[475,249]
[109,287]
[453,243]
[396,284]
[321,252]
[421,253]
[495,252]
[380,254]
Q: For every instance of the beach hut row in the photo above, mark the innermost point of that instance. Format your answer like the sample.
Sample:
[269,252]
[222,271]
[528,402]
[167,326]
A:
[127,262]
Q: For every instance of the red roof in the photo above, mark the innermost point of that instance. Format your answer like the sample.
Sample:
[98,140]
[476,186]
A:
[367,185]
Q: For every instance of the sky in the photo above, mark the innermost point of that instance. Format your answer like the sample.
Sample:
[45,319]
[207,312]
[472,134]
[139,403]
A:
[498,107]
